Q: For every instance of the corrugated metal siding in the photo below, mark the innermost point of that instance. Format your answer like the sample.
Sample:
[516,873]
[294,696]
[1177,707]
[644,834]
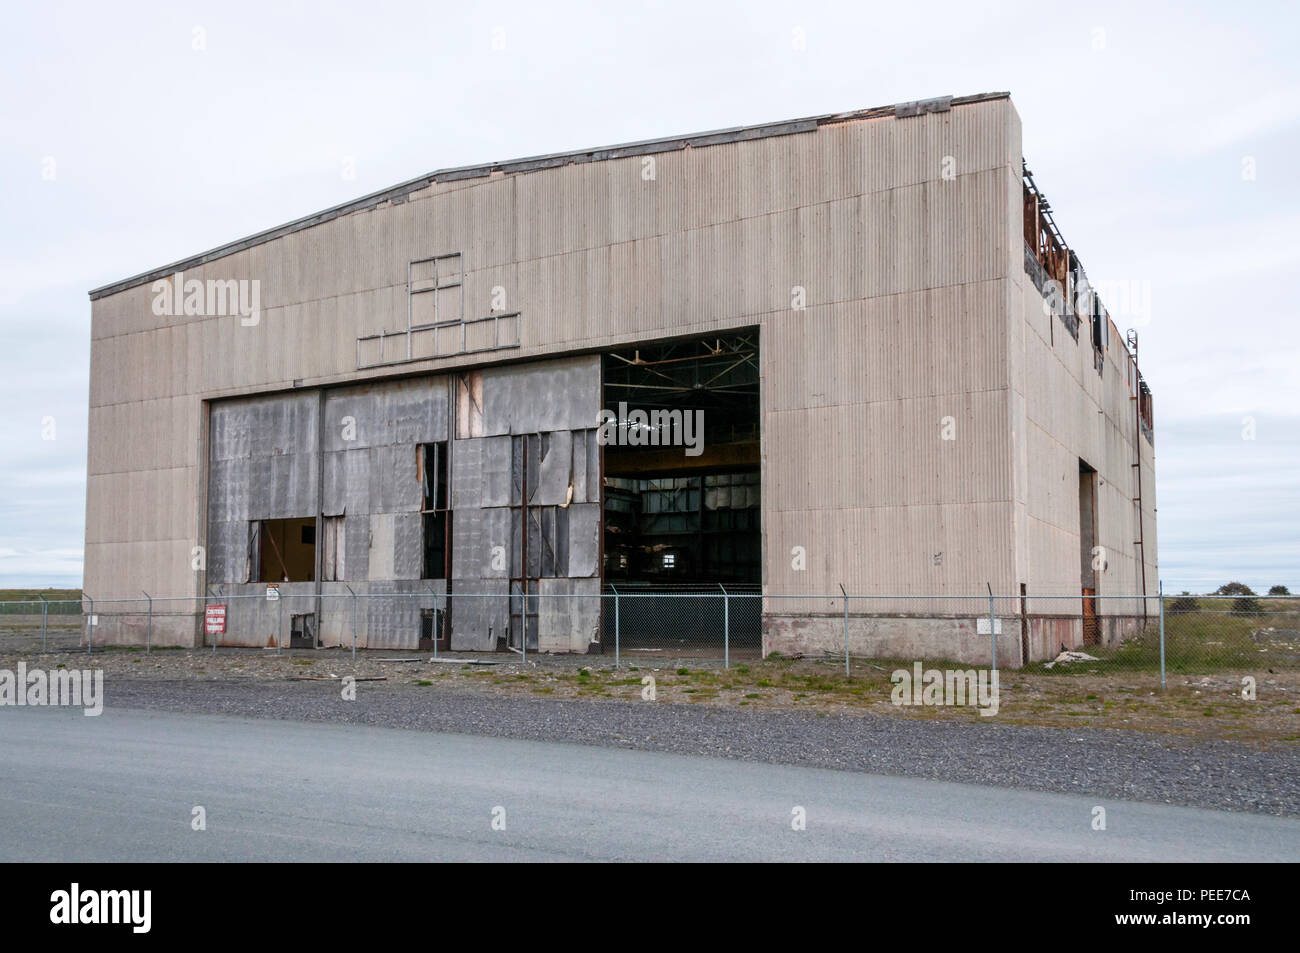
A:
[1071,413]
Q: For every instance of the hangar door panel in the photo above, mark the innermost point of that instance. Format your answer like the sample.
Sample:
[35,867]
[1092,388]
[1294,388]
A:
[526,488]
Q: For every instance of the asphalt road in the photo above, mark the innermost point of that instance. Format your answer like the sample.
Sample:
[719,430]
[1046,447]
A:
[123,786]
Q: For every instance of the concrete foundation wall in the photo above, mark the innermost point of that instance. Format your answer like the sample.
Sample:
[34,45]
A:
[1050,635]
[939,637]
[118,624]
[893,637]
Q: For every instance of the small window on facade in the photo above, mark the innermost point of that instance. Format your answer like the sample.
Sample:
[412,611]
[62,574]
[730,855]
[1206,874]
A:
[286,552]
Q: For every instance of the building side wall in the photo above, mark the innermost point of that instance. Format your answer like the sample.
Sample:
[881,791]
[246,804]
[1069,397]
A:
[1064,411]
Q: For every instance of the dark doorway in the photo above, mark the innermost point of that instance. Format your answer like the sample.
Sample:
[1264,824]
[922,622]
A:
[682,495]
[302,631]
[1088,556]
[682,492]
[436,514]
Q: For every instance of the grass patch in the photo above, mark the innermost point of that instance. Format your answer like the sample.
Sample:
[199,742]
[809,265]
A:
[1211,638]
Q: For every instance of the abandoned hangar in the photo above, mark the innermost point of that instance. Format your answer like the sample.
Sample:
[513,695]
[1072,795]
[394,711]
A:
[405,394]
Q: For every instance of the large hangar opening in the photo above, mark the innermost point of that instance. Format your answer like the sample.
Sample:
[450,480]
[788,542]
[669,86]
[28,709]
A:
[682,497]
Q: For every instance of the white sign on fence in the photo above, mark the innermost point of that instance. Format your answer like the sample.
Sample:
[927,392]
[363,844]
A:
[272,593]
[982,625]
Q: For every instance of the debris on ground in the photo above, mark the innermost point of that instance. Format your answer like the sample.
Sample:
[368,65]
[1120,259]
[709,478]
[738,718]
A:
[1071,657]
[335,678]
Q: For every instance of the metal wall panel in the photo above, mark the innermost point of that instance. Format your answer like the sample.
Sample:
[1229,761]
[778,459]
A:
[382,541]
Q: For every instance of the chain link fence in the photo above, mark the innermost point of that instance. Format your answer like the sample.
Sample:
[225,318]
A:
[1058,635]
[722,622]
[41,625]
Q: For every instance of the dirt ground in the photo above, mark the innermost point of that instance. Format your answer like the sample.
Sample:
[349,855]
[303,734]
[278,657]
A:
[1193,706]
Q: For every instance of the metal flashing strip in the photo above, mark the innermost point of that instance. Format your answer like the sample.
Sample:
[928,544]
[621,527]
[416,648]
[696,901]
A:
[410,358]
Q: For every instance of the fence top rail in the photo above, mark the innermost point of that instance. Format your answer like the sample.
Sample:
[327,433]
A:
[728,592]
[979,598]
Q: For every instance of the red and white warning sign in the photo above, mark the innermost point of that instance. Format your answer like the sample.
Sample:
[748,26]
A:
[214,620]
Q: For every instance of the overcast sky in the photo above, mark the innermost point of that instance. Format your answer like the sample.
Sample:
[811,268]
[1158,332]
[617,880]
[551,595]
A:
[1166,139]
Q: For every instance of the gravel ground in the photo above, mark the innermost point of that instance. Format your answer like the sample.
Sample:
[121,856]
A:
[1113,763]
[1198,707]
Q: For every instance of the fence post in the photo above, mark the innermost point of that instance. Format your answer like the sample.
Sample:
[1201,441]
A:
[1160,589]
[90,623]
[993,630]
[615,624]
[435,619]
[215,636]
[726,627]
[148,631]
[44,615]
[846,630]
[279,620]
[523,639]
[354,621]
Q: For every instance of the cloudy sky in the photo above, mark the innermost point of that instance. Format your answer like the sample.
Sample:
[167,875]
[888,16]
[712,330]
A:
[1166,139]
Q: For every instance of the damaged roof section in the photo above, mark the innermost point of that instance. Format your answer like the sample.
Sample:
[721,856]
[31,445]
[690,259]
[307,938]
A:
[1058,274]
[398,193]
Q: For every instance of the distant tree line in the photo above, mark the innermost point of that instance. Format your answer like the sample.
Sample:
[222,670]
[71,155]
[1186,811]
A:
[1245,602]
